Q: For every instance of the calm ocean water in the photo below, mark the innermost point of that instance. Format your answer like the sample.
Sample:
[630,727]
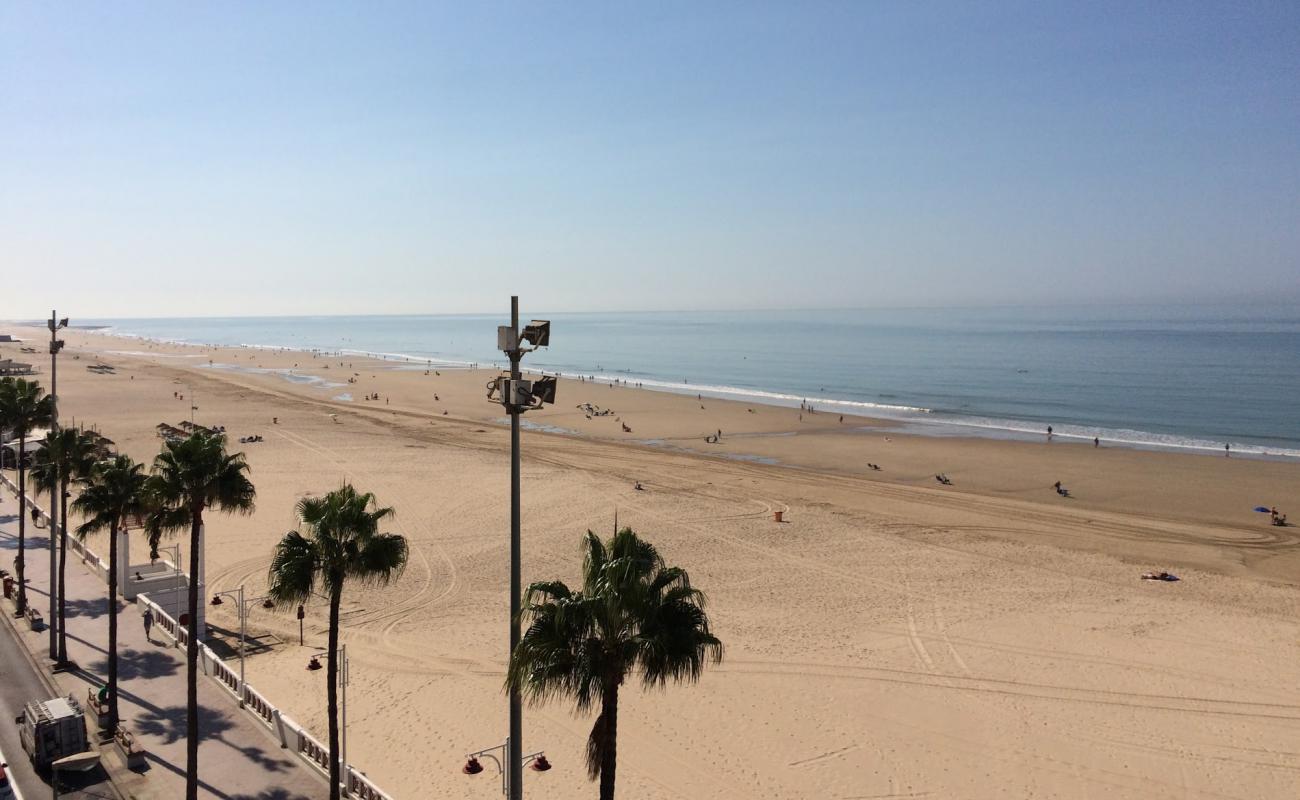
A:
[1178,377]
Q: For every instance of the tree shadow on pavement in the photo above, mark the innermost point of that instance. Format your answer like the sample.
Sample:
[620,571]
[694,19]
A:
[267,762]
[9,541]
[92,609]
[271,794]
[133,664]
[168,724]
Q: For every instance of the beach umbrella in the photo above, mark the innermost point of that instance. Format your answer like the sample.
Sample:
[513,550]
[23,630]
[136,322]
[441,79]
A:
[1262,509]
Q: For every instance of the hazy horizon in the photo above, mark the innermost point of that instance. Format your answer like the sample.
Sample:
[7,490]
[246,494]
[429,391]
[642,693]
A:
[249,160]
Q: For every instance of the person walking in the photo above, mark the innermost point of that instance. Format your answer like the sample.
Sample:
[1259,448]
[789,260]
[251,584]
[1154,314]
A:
[148,624]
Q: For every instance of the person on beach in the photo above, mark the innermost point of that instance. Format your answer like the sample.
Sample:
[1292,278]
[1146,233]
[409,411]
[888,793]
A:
[148,624]
[1049,431]
[1227,450]
[1096,441]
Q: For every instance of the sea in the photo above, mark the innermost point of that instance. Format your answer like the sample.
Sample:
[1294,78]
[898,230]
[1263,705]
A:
[1190,378]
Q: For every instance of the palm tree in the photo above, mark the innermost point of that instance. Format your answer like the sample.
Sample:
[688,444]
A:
[632,613]
[342,543]
[189,477]
[24,406]
[64,455]
[44,474]
[113,493]
[69,454]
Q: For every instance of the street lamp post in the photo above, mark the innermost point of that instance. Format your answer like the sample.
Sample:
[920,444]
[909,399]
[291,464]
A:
[344,679]
[175,551]
[238,596]
[517,396]
[56,344]
[473,767]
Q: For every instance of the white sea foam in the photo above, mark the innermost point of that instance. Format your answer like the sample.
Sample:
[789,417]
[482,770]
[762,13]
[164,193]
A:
[760,396]
[1108,436]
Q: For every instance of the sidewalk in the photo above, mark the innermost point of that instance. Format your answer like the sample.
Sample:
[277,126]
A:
[238,758]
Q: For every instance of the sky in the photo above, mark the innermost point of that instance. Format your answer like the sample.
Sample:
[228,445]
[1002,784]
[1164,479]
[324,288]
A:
[210,159]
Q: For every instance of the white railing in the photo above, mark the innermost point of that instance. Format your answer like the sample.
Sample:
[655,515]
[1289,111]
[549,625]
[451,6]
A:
[291,734]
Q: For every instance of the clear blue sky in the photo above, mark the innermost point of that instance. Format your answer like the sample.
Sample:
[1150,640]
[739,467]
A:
[254,158]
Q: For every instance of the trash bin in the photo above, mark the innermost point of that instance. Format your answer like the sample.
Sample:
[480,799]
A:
[9,587]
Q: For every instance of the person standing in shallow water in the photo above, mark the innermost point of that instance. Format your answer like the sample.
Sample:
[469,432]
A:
[1049,431]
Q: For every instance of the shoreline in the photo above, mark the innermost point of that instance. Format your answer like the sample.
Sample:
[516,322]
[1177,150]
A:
[901,419]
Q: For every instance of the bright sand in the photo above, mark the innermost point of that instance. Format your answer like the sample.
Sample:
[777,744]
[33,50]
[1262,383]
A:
[893,638]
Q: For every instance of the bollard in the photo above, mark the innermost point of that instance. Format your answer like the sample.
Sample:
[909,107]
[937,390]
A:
[778,516]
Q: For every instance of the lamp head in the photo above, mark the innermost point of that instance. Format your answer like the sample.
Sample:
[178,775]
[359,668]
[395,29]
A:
[216,600]
[537,333]
[472,767]
[544,389]
[540,764]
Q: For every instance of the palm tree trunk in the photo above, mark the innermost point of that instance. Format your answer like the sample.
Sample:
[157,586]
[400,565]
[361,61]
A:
[332,696]
[192,666]
[609,754]
[20,563]
[112,626]
[63,571]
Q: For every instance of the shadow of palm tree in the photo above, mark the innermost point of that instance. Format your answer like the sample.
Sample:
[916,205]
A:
[267,762]
[271,794]
[10,542]
[168,724]
[132,664]
[93,609]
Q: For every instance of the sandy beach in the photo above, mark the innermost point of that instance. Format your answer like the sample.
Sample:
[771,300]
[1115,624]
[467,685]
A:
[892,638]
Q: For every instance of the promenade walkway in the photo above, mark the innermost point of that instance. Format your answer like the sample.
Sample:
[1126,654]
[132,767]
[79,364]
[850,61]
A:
[238,758]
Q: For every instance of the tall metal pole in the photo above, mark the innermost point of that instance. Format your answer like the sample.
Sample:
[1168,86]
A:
[515,744]
[243,615]
[53,515]
[343,746]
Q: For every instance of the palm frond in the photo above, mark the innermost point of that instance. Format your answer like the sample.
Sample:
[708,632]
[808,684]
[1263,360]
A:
[380,559]
[291,578]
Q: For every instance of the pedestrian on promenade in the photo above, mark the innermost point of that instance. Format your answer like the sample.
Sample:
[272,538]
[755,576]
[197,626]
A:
[148,624]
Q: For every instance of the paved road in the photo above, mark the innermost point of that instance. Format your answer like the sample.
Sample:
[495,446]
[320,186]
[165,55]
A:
[19,683]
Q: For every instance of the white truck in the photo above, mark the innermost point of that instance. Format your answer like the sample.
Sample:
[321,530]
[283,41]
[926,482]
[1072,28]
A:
[52,729]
